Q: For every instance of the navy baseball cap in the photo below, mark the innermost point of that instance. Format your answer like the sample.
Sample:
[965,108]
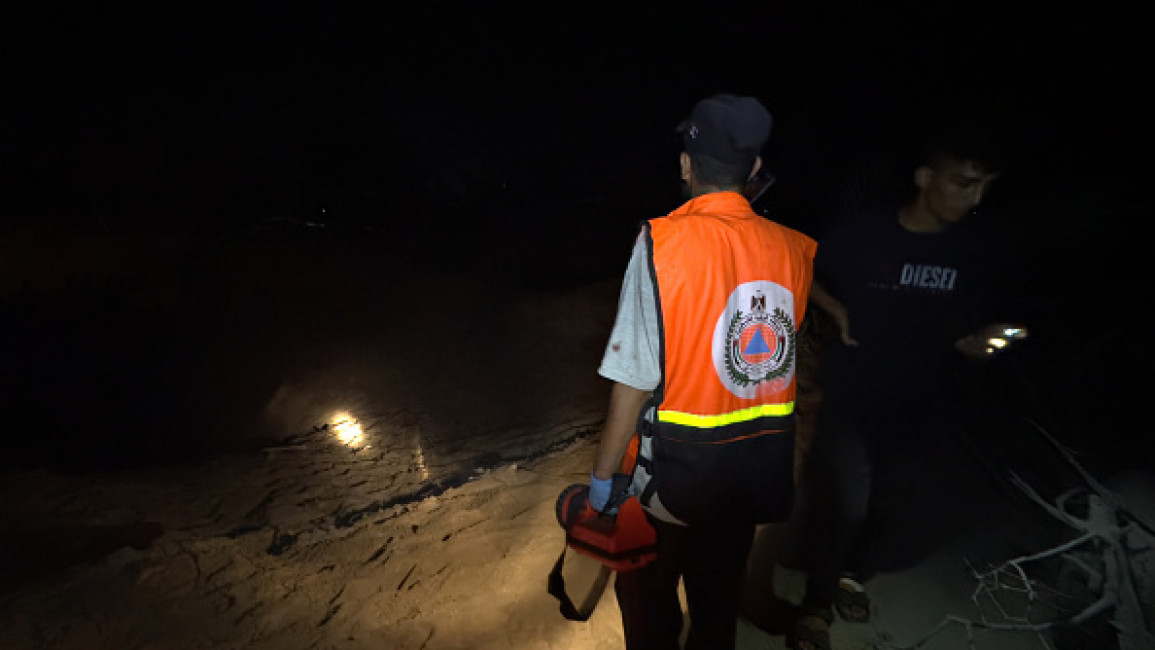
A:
[729,128]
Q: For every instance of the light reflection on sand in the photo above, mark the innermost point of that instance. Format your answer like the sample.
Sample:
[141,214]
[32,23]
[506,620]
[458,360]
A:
[419,461]
[347,429]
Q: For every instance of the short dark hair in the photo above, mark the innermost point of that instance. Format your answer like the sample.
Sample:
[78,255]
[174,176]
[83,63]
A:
[975,137]
[721,174]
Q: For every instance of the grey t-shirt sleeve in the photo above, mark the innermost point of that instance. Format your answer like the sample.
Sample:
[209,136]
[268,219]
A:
[631,356]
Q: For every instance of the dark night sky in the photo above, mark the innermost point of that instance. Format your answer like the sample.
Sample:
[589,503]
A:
[486,122]
[137,110]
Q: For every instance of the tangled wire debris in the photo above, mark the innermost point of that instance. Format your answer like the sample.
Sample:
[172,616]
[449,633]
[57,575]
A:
[1112,545]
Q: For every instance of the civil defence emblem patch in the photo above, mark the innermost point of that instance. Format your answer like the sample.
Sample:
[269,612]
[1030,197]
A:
[754,339]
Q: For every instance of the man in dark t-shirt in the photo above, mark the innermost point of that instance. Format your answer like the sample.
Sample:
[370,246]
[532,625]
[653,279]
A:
[902,298]
[903,286]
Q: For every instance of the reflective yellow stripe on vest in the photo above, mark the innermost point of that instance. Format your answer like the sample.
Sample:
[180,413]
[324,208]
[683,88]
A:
[711,421]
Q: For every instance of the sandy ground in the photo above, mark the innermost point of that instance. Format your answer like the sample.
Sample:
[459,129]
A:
[347,535]
[291,549]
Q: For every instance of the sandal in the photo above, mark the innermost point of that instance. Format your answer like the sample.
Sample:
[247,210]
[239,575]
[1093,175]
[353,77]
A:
[850,601]
[812,630]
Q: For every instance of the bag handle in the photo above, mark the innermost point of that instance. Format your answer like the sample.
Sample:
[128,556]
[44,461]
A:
[557,590]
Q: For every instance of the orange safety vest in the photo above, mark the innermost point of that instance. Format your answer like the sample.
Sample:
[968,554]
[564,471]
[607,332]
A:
[732,289]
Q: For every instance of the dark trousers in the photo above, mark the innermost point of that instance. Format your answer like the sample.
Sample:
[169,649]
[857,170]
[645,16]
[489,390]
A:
[859,509]
[711,562]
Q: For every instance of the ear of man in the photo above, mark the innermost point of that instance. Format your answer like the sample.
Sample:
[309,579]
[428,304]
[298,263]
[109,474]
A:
[754,169]
[922,177]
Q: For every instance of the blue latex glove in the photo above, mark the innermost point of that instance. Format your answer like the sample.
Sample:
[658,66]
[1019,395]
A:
[600,493]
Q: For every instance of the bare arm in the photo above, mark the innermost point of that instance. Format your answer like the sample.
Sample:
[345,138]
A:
[831,305]
[625,405]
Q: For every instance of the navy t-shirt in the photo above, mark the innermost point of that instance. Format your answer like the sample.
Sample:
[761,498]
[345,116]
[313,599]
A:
[908,297]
